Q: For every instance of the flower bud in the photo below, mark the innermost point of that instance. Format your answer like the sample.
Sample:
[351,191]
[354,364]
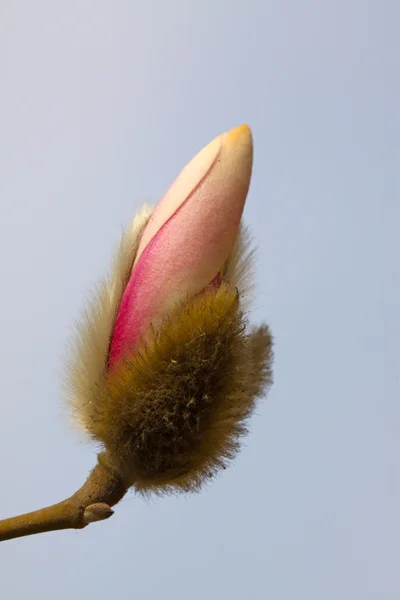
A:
[165,370]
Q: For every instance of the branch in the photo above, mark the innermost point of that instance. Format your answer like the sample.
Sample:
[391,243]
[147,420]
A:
[92,502]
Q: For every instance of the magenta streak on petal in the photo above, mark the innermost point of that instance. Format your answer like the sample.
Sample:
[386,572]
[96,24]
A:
[216,282]
[129,322]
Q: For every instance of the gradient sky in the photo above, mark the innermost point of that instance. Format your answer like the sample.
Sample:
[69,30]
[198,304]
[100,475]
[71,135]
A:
[101,105]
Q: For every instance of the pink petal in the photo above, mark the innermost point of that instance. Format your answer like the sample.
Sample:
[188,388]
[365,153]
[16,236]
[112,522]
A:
[189,237]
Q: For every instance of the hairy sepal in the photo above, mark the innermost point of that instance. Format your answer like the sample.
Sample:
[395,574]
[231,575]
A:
[175,409]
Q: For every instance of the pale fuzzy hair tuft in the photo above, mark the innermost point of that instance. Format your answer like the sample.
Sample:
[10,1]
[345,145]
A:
[88,351]
[239,269]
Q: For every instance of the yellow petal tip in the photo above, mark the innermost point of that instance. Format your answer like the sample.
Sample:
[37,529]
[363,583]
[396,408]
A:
[239,134]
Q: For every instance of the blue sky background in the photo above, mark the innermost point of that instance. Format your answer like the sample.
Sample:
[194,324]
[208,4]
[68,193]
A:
[101,105]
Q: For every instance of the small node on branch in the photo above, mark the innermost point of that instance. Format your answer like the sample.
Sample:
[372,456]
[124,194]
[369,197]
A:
[96,512]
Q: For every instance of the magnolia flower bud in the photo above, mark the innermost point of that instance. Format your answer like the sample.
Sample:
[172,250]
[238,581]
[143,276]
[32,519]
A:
[165,371]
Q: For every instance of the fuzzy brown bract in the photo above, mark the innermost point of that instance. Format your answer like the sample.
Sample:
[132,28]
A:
[175,410]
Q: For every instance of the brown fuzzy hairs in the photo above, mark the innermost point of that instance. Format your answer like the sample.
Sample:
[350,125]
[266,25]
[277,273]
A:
[173,412]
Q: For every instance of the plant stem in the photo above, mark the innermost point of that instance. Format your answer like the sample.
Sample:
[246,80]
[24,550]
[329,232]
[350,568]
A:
[92,502]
